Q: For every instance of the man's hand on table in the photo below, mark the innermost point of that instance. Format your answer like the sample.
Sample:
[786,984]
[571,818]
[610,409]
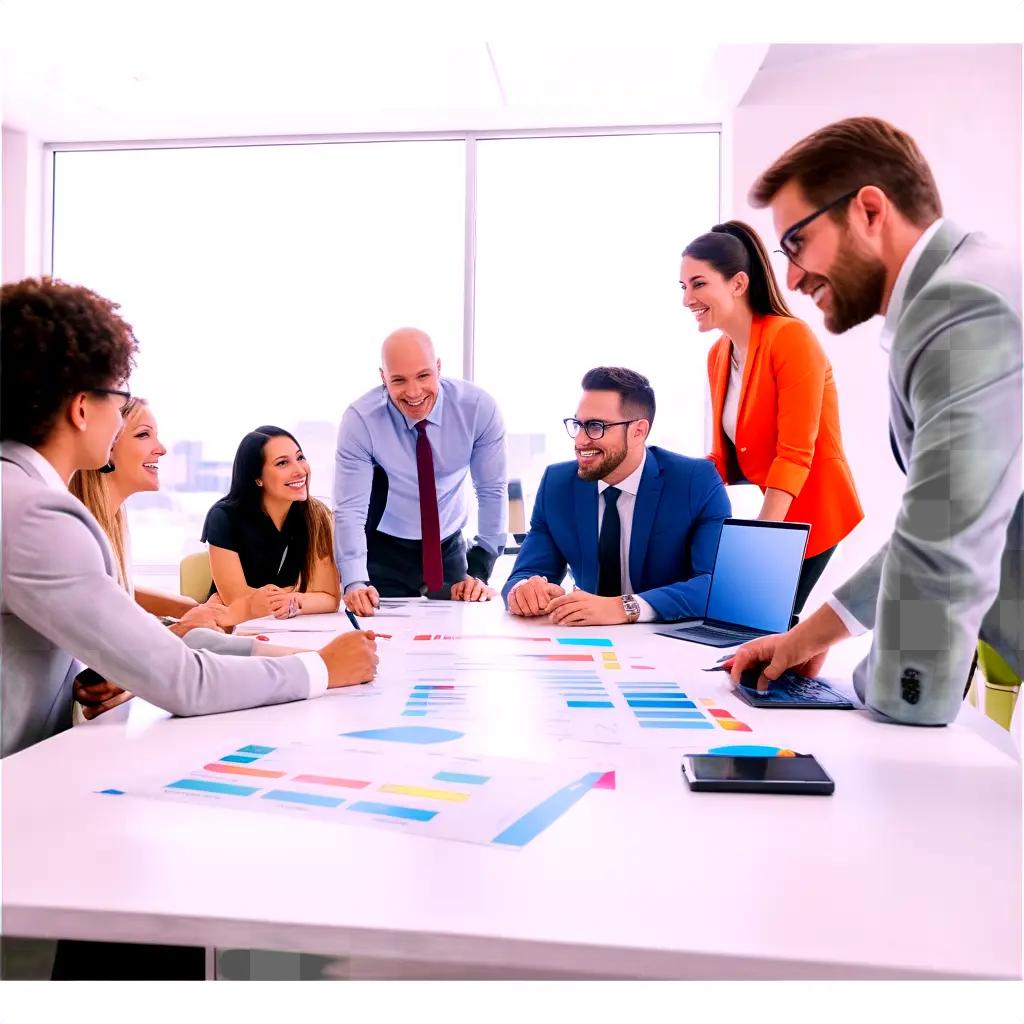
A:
[362,601]
[802,648]
[472,589]
[579,608]
[350,658]
[533,596]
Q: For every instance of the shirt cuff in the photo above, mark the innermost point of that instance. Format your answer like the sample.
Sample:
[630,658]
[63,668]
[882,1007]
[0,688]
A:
[358,583]
[316,669]
[647,612]
[855,627]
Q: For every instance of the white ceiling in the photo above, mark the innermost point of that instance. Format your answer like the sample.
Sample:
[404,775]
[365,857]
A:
[78,70]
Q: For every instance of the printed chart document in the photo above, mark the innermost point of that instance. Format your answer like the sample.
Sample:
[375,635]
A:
[383,778]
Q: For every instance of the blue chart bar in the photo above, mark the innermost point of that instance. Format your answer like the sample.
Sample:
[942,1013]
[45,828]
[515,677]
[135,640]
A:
[676,725]
[668,714]
[239,759]
[111,792]
[534,822]
[469,780]
[437,686]
[414,714]
[292,797]
[253,749]
[583,693]
[213,787]
[679,698]
[423,697]
[406,734]
[585,641]
[590,703]
[390,811]
[660,703]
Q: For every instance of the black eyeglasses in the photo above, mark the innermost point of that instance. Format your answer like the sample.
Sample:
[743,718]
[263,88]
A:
[594,429]
[790,249]
[126,395]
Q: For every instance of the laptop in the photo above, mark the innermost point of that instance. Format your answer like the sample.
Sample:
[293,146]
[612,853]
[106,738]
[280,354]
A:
[753,584]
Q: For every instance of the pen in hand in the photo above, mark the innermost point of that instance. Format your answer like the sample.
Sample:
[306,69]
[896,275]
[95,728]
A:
[352,619]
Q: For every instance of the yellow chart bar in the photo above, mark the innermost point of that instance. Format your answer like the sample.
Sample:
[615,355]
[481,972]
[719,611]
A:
[429,794]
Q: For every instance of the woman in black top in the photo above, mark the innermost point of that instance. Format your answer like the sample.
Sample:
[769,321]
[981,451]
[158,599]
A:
[271,544]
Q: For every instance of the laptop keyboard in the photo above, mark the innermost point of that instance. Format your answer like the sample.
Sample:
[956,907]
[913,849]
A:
[790,686]
[706,632]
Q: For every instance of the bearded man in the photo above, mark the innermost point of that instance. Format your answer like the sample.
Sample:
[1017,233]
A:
[637,526]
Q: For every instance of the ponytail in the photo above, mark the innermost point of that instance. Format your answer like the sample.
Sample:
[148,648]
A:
[733,247]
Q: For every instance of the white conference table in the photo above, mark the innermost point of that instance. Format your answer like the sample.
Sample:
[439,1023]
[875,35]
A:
[911,870]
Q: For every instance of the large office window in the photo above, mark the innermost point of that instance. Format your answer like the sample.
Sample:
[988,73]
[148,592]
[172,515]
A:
[261,280]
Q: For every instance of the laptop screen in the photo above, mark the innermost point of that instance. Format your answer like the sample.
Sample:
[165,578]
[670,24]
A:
[756,574]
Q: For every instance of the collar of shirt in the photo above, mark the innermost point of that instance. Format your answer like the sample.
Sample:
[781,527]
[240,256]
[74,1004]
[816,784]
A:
[899,289]
[432,417]
[631,485]
[39,462]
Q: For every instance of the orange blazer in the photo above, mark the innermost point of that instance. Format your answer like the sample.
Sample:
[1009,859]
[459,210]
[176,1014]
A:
[787,427]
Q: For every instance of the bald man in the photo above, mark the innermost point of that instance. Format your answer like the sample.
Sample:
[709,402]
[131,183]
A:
[399,503]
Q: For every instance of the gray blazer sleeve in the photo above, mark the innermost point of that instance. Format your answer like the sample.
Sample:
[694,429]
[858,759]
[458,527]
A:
[202,639]
[55,580]
[957,373]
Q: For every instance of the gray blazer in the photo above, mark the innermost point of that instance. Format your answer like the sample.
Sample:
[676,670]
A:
[951,571]
[61,608]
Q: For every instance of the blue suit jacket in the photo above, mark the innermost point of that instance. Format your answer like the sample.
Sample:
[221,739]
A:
[677,519]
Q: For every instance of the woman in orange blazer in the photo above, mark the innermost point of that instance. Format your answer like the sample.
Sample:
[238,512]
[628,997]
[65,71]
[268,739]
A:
[775,411]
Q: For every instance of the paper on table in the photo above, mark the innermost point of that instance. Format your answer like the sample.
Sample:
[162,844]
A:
[487,800]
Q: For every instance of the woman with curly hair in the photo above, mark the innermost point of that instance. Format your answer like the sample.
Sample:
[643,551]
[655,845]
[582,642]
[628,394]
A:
[271,543]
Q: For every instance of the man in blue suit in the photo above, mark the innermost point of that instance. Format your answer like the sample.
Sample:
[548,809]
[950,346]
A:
[637,526]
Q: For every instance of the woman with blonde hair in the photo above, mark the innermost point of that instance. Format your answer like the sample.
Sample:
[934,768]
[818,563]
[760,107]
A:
[134,467]
[775,409]
[271,543]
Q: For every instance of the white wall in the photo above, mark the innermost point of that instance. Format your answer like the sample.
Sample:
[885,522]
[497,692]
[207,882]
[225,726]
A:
[21,215]
[962,104]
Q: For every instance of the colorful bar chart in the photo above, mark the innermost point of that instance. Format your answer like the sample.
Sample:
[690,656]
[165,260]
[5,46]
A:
[415,790]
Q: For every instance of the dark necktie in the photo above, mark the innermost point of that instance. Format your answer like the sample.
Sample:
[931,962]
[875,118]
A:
[430,526]
[609,541]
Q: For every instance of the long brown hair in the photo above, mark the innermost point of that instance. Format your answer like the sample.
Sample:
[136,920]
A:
[92,488]
[735,246]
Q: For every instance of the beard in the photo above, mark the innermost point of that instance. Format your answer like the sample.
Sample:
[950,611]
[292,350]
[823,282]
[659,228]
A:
[611,461]
[857,283]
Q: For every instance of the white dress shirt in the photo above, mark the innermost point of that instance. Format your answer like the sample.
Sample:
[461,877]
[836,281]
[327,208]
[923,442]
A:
[731,406]
[892,318]
[315,666]
[625,505]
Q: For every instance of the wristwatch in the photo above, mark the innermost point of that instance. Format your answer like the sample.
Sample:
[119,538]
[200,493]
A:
[631,606]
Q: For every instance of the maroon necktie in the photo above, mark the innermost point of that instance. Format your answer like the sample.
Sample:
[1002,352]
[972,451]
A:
[430,526]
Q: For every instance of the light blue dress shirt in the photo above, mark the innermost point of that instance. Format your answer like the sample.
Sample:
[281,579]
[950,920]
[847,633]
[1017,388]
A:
[467,435]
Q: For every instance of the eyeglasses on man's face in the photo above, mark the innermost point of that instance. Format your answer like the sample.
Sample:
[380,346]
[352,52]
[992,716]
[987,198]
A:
[594,429]
[125,396]
[791,242]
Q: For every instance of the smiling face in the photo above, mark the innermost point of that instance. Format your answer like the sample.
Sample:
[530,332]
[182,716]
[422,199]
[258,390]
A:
[411,372]
[598,459]
[838,268]
[286,473]
[712,298]
[137,452]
